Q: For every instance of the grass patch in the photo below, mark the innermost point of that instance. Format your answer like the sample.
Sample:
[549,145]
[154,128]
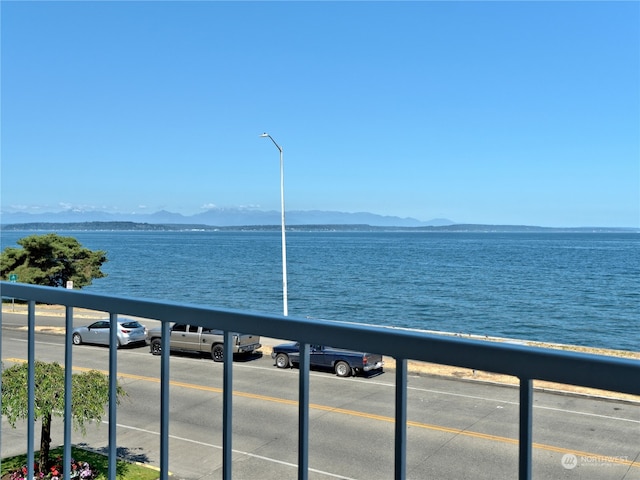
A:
[98,462]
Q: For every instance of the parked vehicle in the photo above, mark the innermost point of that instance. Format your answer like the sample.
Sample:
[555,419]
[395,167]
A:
[192,338]
[129,332]
[343,362]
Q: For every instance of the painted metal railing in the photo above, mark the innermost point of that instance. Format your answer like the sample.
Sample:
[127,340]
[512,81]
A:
[526,363]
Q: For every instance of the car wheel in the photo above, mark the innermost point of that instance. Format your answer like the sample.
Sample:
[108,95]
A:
[217,353]
[342,369]
[77,339]
[156,346]
[282,360]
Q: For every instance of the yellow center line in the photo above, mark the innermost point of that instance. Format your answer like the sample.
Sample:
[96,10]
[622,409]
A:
[370,416]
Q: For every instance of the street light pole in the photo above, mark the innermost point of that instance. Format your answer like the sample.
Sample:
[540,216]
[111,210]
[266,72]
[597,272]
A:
[284,241]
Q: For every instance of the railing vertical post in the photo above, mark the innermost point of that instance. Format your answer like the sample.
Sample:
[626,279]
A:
[164,401]
[31,384]
[68,392]
[113,392]
[526,433]
[227,407]
[303,413]
[401,420]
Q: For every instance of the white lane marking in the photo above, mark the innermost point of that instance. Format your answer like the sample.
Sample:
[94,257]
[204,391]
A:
[218,447]
[426,390]
[471,397]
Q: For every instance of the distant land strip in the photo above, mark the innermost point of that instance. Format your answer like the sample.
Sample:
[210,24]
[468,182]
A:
[168,227]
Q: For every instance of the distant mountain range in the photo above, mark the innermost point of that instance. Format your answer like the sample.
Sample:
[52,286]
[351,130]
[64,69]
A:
[249,219]
[223,217]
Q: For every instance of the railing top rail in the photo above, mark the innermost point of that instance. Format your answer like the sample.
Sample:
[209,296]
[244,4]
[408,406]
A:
[588,370]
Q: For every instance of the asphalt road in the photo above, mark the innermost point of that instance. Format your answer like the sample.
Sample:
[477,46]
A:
[456,429]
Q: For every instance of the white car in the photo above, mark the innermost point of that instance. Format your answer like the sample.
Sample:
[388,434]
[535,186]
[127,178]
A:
[129,331]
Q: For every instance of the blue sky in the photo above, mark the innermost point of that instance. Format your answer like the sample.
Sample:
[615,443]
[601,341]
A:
[479,112]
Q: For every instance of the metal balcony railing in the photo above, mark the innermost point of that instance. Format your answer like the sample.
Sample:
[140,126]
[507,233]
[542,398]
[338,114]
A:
[526,363]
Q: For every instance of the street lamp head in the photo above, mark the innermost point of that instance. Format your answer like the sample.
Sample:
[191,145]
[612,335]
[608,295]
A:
[266,135]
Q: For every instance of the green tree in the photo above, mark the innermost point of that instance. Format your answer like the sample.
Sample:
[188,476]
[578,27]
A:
[89,396]
[52,260]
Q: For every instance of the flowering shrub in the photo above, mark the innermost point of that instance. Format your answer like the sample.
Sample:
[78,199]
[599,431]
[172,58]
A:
[81,470]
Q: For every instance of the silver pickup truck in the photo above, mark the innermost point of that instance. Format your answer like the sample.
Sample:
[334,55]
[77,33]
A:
[192,338]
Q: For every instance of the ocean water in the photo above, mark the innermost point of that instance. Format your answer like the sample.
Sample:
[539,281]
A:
[572,288]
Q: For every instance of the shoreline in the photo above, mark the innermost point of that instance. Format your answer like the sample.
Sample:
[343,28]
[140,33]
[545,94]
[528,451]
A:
[414,367]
